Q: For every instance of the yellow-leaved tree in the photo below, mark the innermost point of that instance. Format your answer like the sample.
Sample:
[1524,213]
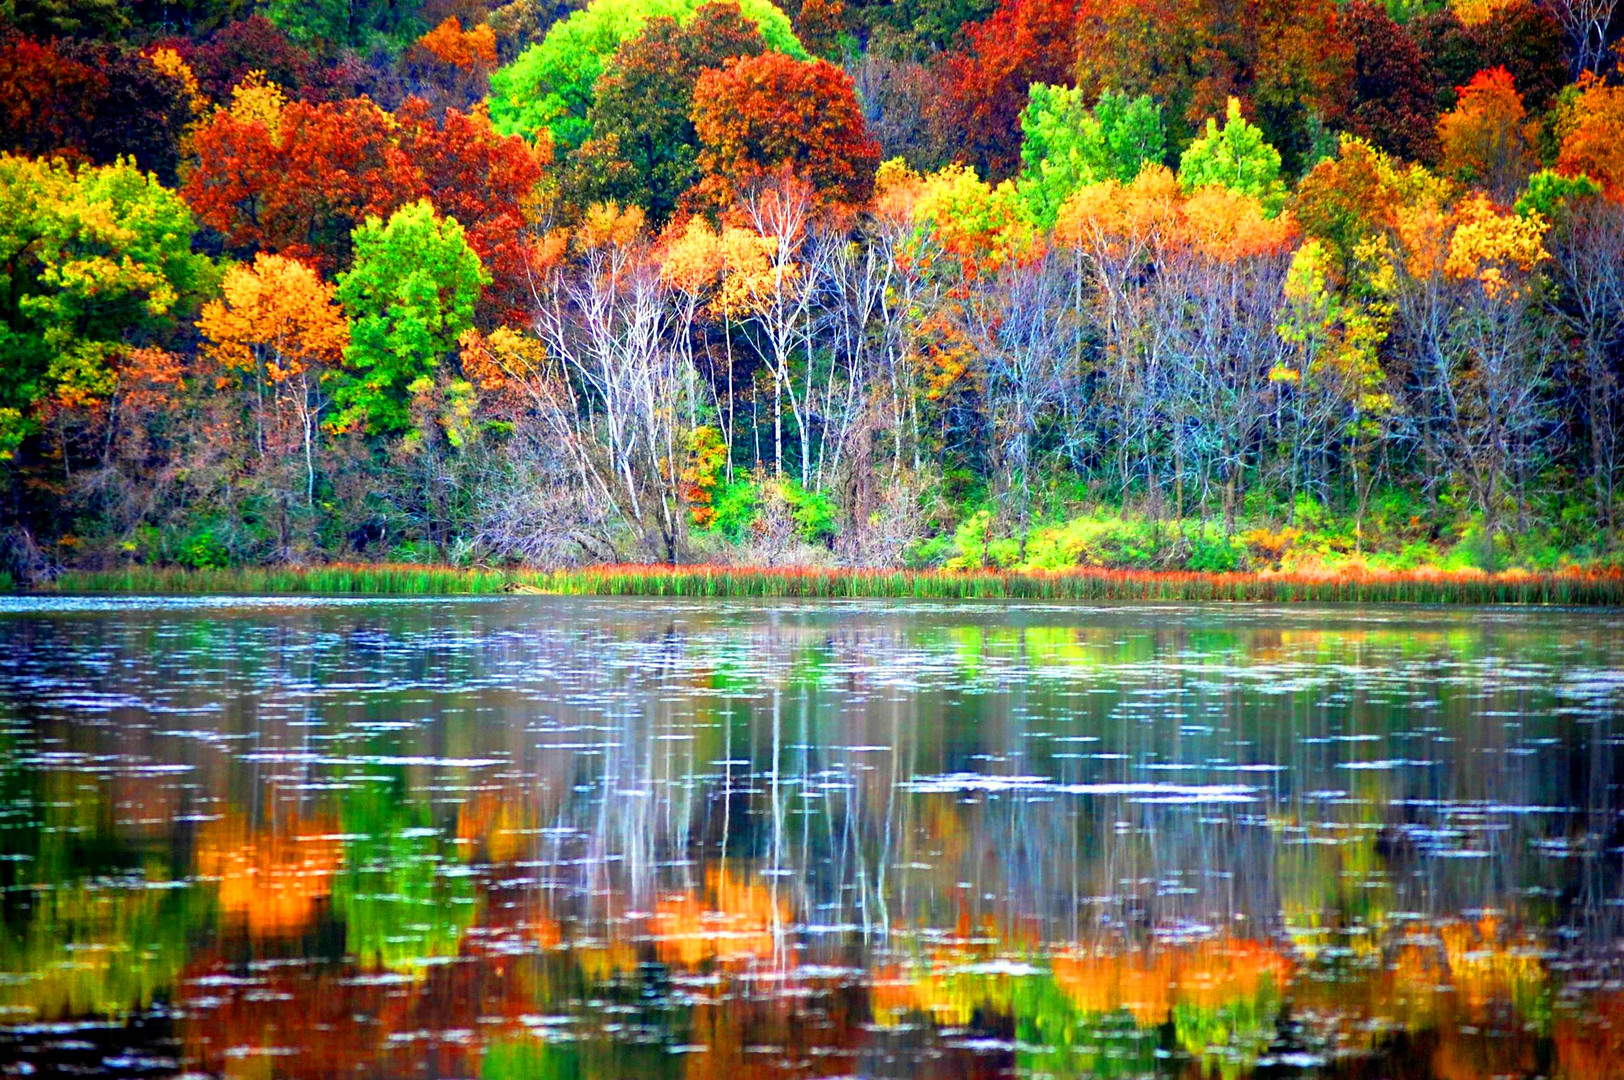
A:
[276,331]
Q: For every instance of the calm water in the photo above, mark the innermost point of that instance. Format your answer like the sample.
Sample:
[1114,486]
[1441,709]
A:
[594,838]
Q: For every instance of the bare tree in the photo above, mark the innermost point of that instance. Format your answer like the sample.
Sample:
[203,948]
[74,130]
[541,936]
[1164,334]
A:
[615,400]
[1587,250]
[1587,23]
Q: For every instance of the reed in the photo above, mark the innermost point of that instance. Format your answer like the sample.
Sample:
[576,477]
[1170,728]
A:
[1575,587]
[1430,587]
[371,579]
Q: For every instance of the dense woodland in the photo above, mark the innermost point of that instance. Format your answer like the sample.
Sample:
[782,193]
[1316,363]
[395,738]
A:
[1140,283]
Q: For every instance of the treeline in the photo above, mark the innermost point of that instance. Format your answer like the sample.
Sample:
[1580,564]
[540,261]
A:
[878,284]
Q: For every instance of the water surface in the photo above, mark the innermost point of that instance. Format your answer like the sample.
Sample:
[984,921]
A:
[568,838]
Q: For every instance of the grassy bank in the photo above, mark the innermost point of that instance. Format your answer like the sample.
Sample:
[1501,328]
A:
[1419,586]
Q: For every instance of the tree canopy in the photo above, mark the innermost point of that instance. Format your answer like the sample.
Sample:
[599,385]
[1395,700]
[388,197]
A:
[551,85]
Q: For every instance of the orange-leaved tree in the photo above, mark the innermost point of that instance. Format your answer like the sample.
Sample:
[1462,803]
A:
[296,178]
[761,115]
[275,331]
[1593,138]
[1486,136]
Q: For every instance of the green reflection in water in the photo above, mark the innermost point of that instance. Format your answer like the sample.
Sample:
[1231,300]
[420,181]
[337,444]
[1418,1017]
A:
[404,895]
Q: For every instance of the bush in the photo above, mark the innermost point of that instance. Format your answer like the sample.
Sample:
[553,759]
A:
[733,508]
[815,514]
[203,551]
[1214,555]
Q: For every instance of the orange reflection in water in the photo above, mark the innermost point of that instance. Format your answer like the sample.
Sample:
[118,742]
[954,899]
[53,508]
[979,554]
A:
[274,878]
[735,921]
[1150,983]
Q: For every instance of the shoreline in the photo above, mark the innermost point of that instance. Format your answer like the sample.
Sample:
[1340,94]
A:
[1595,588]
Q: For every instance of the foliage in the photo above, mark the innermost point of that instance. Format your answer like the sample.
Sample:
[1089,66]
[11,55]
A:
[488,182]
[299,183]
[1234,157]
[759,115]
[346,22]
[409,297]
[276,316]
[1593,137]
[914,29]
[226,57]
[1548,193]
[1484,138]
[92,101]
[1521,37]
[296,179]
[1066,145]
[551,85]
[1393,106]
[977,226]
[91,259]
[701,477]
[643,150]
[1021,341]
[985,83]
[1289,61]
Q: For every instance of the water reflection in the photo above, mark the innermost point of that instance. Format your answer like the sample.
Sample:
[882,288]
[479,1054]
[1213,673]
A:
[591,838]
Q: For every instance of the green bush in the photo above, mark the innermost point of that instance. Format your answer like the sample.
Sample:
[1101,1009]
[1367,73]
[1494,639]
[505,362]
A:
[815,514]
[927,552]
[203,551]
[1214,555]
[734,506]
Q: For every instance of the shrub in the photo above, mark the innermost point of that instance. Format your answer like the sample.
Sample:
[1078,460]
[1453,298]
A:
[816,518]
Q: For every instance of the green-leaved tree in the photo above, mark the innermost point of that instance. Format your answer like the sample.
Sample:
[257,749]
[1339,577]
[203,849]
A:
[1065,145]
[1237,157]
[409,296]
[93,261]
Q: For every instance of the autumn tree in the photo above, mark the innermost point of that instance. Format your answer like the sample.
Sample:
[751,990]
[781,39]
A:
[486,181]
[820,26]
[1485,138]
[1522,37]
[643,150]
[985,81]
[227,56]
[762,114]
[93,101]
[1236,157]
[449,65]
[603,314]
[47,101]
[1360,198]
[278,331]
[1392,99]
[97,259]
[1066,145]
[551,85]
[1592,137]
[299,178]
[410,295]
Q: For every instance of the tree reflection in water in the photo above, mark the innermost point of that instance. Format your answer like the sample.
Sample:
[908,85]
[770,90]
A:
[605,839]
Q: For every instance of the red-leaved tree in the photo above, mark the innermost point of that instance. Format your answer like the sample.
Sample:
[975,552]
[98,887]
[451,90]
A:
[1022,42]
[760,115]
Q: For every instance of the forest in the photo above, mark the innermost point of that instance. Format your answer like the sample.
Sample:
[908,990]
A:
[1201,285]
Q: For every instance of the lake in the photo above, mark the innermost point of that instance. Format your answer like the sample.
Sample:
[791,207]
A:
[597,838]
